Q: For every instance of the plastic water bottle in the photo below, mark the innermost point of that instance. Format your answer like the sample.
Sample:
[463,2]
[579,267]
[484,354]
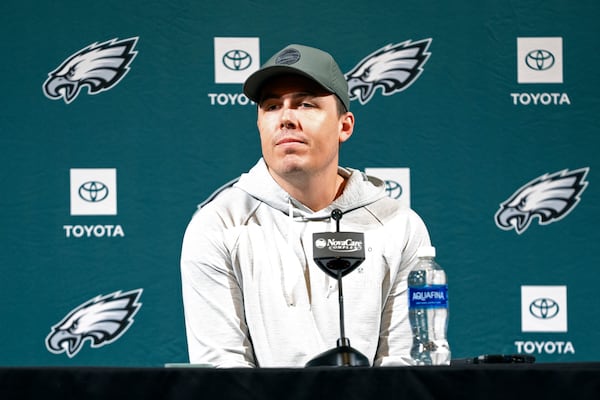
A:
[428,310]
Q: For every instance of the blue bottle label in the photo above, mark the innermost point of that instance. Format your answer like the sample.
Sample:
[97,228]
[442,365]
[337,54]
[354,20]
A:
[434,296]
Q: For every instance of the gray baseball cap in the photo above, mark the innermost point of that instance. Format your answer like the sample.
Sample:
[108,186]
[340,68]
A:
[307,61]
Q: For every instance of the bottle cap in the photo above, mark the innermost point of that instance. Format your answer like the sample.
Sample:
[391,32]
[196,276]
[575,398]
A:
[426,251]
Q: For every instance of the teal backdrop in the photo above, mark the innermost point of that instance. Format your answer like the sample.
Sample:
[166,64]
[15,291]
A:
[118,118]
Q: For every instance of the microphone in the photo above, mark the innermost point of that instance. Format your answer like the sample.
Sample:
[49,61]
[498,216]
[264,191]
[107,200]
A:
[337,254]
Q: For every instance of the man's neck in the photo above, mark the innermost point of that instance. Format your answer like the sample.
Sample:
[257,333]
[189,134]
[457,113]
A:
[315,192]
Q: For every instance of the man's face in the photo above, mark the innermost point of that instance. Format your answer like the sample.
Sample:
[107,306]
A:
[300,127]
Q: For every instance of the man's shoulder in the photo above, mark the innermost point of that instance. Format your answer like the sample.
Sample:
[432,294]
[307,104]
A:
[228,199]
[231,206]
[386,209]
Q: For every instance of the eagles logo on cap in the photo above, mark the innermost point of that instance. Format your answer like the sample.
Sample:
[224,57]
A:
[288,57]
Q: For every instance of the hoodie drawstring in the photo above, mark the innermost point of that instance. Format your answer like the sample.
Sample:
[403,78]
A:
[289,276]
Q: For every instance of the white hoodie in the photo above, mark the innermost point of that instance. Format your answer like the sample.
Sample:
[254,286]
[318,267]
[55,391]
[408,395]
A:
[254,297]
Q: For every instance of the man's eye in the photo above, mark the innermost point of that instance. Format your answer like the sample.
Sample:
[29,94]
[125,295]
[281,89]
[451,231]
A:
[269,107]
[307,105]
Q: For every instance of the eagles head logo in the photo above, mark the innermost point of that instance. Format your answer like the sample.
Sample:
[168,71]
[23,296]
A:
[392,68]
[101,321]
[99,67]
[549,198]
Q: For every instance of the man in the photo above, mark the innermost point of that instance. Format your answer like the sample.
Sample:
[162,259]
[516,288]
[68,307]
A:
[253,295]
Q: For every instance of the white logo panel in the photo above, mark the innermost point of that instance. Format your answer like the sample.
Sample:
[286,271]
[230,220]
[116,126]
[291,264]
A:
[544,308]
[235,58]
[540,60]
[93,191]
[397,182]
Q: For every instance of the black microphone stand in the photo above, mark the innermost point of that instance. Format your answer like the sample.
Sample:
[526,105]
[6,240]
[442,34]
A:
[343,355]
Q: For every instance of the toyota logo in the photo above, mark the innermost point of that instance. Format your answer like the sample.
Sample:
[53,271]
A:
[393,189]
[543,308]
[93,191]
[237,60]
[539,60]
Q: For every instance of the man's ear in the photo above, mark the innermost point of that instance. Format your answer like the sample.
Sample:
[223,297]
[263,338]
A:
[346,126]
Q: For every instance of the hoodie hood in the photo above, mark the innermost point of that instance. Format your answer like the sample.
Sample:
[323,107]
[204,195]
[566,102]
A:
[360,190]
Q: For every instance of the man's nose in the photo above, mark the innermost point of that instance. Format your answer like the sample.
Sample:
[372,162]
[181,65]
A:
[288,118]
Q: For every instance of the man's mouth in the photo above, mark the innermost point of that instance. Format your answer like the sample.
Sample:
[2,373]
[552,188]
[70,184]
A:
[287,140]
